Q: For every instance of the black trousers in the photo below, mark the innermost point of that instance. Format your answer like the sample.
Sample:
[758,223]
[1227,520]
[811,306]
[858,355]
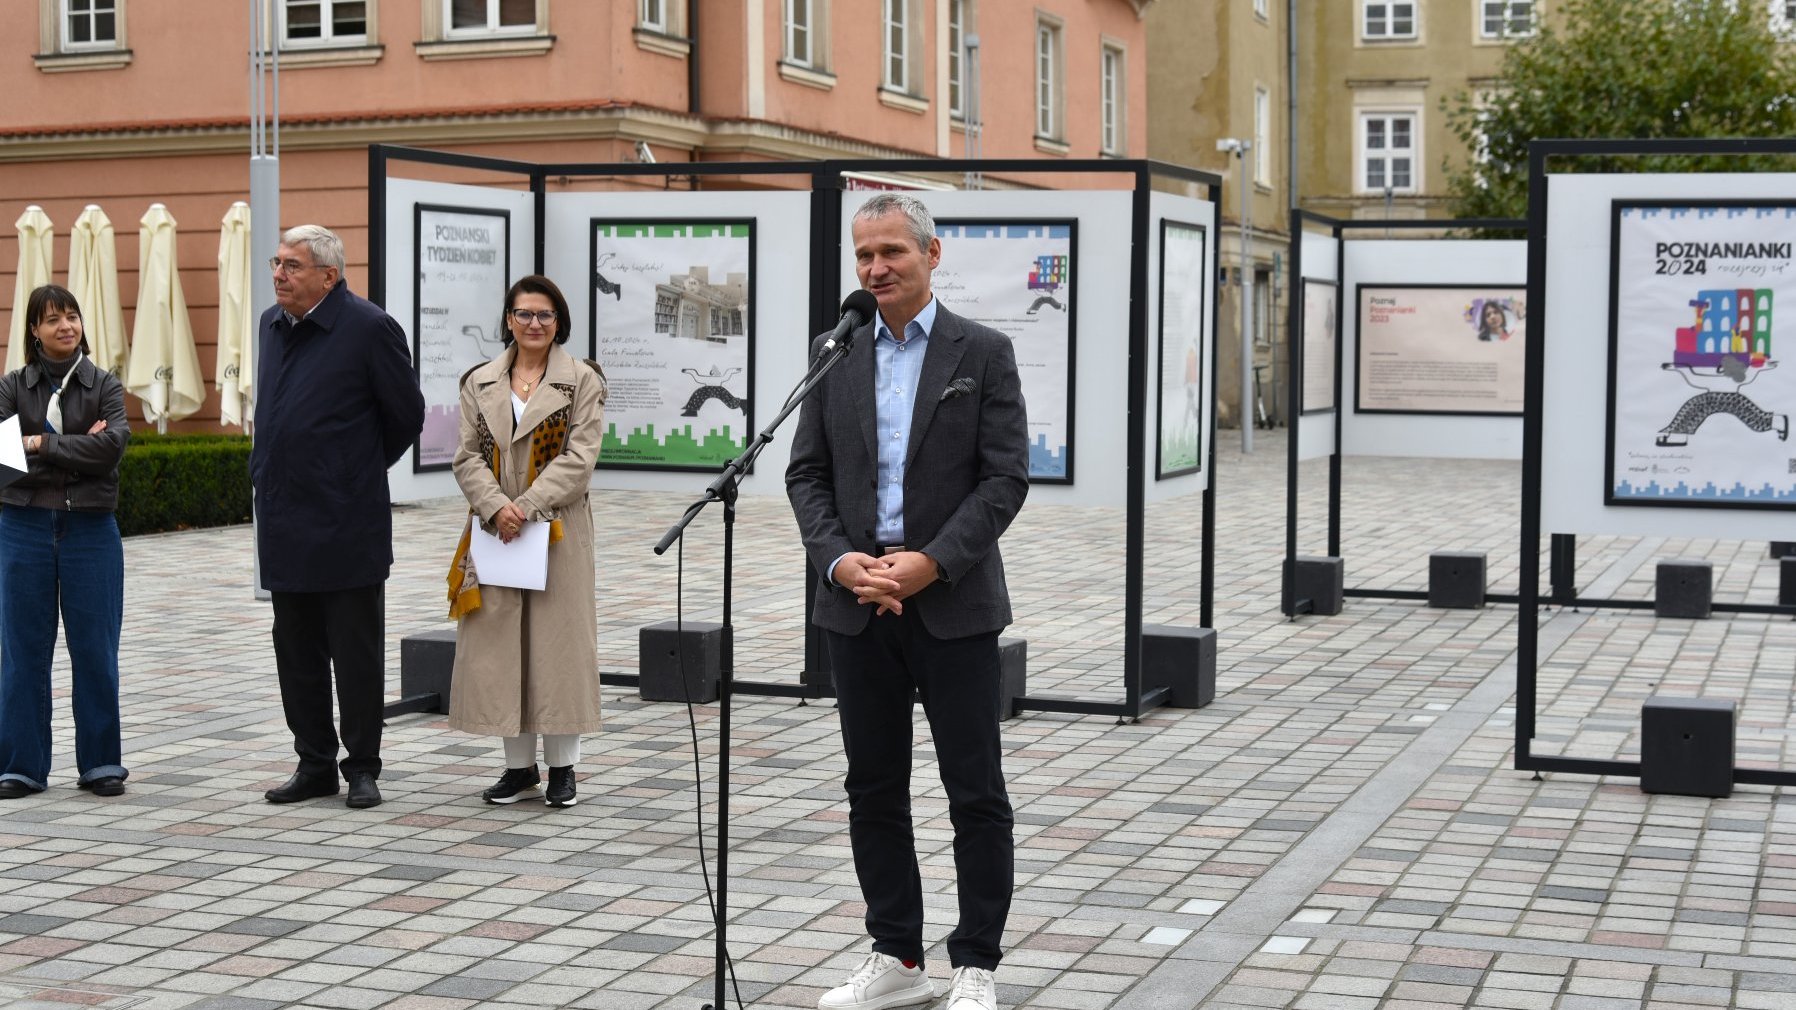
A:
[957,680]
[343,629]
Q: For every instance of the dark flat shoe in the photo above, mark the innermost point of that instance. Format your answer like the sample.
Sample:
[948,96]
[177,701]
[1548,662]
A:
[12,789]
[363,793]
[106,785]
[302,787]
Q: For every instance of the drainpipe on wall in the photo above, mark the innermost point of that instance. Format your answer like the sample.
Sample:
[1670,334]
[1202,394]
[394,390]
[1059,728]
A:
[692,102]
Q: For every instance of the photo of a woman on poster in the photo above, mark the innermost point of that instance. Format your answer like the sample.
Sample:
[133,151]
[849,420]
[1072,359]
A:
[1493,321]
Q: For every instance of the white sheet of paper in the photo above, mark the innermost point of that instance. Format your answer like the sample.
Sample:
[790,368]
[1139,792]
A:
[521,564]
[12,451]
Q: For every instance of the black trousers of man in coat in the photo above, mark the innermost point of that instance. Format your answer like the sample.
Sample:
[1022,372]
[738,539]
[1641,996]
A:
[315,633]
[958,683]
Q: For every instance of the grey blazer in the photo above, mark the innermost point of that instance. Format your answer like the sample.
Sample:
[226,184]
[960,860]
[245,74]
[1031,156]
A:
[965,477]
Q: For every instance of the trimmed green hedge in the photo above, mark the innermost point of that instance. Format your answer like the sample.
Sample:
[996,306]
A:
[180,482]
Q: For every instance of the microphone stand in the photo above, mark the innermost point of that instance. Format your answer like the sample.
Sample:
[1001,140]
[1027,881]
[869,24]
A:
[724,490]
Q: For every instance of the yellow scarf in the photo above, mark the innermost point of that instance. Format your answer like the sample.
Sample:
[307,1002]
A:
[547,441]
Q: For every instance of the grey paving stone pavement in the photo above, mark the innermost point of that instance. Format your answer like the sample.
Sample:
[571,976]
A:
[1341,828]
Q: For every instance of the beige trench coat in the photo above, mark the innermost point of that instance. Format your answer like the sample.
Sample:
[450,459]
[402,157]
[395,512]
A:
[527,661]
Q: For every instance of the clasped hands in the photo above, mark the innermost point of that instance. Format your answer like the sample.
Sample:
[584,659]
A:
[886,581]
[510,521]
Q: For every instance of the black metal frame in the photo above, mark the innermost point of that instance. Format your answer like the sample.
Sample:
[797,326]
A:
[1289,604]
[748,371]
[1564,590]
[418,464]
[1072,326]
[825,287]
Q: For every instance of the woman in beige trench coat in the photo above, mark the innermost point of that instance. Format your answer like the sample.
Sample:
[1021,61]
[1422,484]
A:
[526,661]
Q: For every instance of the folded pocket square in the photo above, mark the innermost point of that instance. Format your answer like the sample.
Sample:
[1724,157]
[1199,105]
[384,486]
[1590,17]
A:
[959,387]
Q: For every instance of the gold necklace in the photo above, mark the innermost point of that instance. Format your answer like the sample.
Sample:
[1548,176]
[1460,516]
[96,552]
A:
[531,382]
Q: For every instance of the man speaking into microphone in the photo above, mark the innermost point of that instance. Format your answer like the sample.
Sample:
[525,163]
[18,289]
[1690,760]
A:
[909,461]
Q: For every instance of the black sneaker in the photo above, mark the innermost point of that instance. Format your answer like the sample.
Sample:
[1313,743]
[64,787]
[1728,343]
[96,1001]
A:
[511,784]
[105,785]
[561,787]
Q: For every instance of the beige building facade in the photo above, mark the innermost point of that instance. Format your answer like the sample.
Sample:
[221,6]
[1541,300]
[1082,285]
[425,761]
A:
[1371,137]
[124,103]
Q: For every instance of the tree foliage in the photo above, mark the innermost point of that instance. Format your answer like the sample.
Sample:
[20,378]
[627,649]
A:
[1625,69]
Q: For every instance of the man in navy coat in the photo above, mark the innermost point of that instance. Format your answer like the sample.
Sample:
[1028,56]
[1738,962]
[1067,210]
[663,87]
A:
[909,461]
[338,404]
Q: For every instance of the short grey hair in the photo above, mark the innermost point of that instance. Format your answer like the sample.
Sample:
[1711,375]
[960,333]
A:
[922,224]
[324,245]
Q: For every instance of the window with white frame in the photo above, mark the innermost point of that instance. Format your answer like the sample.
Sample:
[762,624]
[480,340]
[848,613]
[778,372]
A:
[1112,90]
[652,15]
[1048,86]
[1388,19]
[90,24]
[1388,152]
[1783,17]
[324,22]
[957,57]
[1259,9]
[1262,136]
[1505,19]
[475,17]
[895,33]
[800,33]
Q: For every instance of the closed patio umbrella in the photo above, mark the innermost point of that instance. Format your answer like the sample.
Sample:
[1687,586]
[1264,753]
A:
[93,280]
[236,325]
[34,272]
[164,370]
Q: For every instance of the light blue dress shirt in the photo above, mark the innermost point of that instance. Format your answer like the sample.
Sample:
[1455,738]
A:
[897,365]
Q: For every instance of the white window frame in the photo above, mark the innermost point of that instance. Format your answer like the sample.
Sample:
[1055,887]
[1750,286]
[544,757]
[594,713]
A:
[1783,18]
[1262,136]
[805,54]
[492,27]
[1387,27]
[65,21]
[1363,154]
[1113,98]
[957,56]
[1049,56]
[894,44]
[1260,10]
[327,32]
[1506,11]
[652,15]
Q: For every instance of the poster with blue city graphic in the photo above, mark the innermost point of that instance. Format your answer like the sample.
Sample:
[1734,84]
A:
[1017,278]
[1700,393]
[673,327]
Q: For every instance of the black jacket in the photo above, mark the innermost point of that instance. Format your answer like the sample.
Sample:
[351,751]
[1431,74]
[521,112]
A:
[73,470]
[338,403]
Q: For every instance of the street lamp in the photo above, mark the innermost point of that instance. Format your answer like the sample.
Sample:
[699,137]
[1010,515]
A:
[1239,148]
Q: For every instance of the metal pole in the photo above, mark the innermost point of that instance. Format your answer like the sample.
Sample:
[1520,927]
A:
[264,202]
[971,98]
[1247,288]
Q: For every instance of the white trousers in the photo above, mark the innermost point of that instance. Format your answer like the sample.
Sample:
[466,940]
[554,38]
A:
[559,750]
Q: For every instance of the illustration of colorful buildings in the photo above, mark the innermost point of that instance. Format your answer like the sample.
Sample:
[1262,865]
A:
[1048,273]
[689,305]
[1730,322]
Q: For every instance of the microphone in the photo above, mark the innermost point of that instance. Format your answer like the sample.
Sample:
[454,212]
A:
[857,309]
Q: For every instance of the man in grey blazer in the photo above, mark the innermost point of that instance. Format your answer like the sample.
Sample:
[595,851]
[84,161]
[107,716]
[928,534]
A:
[909,461]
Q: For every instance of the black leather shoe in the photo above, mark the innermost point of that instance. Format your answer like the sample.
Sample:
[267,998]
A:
[105,785]
[561,787]
[512,785]
[12,789]
[363,793]
[302,787]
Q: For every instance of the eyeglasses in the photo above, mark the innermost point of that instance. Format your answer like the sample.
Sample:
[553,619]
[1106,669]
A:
[290,267]
[524,317]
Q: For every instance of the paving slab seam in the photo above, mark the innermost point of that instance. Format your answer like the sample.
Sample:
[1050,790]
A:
[1271,900]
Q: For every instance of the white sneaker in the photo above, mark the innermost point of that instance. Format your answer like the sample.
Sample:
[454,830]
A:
[881,981]
[972,989]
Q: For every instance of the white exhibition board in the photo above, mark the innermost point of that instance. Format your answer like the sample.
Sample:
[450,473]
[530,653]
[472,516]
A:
[1422,262]
[781,307]
[404,197]
[1100,274]
[1316,432]
[1574,419]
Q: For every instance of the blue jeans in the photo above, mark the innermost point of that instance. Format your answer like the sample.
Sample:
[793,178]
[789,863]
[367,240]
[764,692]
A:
[50,557]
